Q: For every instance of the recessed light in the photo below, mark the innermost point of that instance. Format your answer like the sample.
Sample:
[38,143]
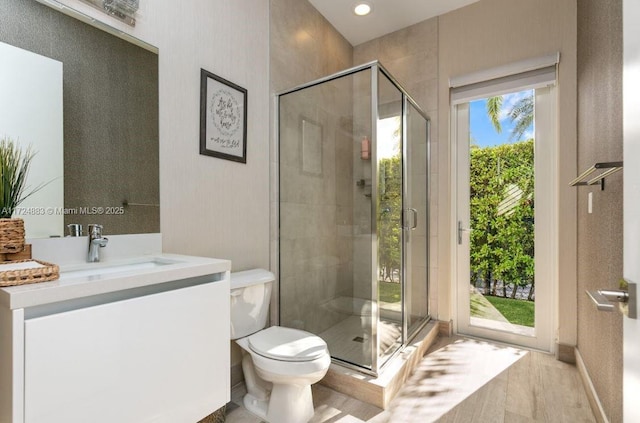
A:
[362,9]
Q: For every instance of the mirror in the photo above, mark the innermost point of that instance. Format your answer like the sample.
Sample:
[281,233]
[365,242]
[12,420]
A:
[33,85]
[109,127]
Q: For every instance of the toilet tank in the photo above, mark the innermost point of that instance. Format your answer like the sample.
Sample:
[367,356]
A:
[250,297]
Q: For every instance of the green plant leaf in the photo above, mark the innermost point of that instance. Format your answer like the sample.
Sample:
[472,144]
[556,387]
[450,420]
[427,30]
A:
[14,169]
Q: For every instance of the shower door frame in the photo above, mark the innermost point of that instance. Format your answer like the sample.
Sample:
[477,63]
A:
[407,100]
[374,66]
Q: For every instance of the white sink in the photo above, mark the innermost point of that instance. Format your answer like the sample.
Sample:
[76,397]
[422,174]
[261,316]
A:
[81,280]
[100,269]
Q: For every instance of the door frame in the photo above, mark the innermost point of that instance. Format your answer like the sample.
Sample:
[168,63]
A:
[549,153]
[631,204]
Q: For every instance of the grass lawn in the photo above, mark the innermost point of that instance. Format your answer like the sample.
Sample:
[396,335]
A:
[518,312]
[389,292]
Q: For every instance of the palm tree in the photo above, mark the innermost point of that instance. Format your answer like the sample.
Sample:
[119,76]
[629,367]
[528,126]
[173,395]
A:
[521,114]
[494,107]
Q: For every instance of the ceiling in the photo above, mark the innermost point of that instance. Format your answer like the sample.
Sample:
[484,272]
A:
[387,15]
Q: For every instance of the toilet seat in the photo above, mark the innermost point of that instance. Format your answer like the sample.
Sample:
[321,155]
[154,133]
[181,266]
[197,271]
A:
[286,344]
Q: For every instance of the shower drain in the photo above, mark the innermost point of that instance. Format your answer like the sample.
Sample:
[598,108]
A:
[359,339]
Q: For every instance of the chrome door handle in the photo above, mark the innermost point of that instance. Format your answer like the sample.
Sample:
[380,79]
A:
[602,302]
[615,295]
[414,222]
[626,298]
[460,230]
[414,212]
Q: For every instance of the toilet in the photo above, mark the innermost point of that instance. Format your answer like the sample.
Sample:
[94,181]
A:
[280,364]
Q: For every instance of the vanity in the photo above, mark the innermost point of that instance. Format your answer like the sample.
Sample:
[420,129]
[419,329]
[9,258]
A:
[143,339]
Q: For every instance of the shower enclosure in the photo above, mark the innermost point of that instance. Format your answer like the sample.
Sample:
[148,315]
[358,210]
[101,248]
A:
[353,190]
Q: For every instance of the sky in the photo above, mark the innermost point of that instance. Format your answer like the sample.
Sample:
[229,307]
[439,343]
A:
[482,130]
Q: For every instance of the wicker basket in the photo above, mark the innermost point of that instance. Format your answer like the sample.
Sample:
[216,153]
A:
[219,416]
[47,272]
[11,235]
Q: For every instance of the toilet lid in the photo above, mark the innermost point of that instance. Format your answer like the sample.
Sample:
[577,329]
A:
[287,344]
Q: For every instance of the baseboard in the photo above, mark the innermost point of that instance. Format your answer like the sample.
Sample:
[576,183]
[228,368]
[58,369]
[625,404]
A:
[592,395]
[445,328]
[566,353]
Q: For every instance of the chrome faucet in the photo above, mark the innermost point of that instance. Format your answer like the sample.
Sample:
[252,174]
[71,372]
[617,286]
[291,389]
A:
[96,241]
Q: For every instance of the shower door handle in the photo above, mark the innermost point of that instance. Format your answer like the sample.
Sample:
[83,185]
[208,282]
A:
[414,221]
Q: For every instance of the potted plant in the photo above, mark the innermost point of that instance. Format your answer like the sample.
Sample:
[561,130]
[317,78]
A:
[14,168]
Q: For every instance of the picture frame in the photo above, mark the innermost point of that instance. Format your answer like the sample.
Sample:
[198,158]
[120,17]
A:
[223,118]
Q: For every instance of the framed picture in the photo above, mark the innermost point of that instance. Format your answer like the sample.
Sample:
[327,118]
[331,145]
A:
[223,118]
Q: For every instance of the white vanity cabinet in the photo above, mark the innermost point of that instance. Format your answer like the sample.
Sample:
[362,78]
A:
[158,353]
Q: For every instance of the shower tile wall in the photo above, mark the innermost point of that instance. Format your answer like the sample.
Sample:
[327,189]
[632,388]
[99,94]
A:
[304,47]
[411,56]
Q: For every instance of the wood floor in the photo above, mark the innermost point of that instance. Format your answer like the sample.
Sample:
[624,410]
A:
[463,380]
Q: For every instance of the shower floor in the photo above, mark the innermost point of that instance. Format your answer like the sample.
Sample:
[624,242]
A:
[350,340]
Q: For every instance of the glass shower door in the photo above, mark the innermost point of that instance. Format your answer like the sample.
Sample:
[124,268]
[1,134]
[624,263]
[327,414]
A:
[352,208]
[402,218]
[325,196]
[389,218]
[416,219]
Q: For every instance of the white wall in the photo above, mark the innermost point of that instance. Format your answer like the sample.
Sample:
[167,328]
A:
[209,207]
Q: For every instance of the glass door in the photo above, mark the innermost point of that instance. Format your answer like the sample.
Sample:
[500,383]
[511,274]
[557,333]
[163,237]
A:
[352,210]
[325,223]
[389,162]
[402,218]
[504,230]
[416,226]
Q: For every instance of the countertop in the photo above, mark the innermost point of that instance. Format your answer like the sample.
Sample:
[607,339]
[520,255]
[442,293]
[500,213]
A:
[174,267]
